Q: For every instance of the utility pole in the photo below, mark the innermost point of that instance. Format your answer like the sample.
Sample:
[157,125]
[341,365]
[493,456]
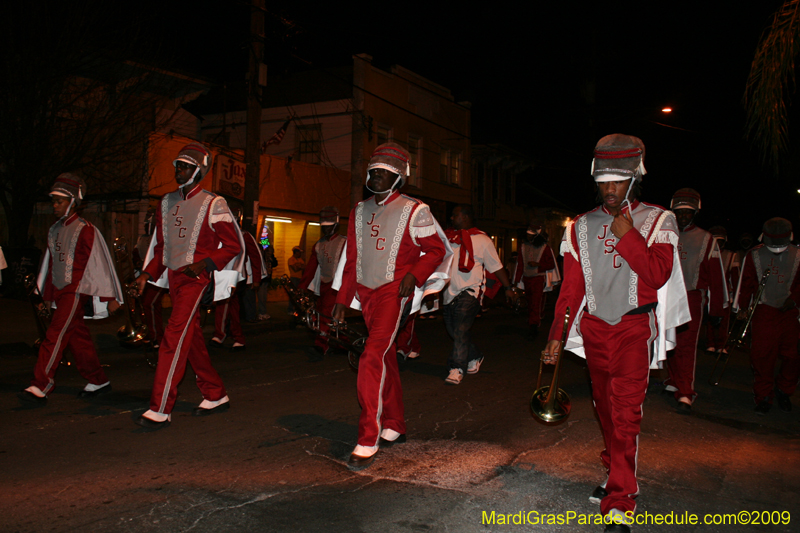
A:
[252,150]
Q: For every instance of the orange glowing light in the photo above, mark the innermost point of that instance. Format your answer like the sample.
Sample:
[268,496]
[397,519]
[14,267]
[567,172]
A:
[666,110]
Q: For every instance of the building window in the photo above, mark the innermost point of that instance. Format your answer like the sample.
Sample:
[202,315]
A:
[309,143]
[455,168]
[450,167]
[415,151]
[444,166]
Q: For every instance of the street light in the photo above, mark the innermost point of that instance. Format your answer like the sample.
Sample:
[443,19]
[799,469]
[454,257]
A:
[666,110]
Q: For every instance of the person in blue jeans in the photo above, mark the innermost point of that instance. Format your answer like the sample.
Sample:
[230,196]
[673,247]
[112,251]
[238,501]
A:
[473,255]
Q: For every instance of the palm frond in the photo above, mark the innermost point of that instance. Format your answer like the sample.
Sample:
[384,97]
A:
[771,83]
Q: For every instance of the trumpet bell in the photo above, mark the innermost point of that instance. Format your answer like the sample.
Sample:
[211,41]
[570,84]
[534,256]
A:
[355,351]
[132,338]
[555,411]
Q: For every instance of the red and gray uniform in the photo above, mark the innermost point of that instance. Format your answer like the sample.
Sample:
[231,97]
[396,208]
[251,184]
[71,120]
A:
[774,332]
[385,241]
[228,311]
[618,281]
[702,276]
[70,242]
[322,265]
[152,297]
[534,277]
[718,336]
[197,227]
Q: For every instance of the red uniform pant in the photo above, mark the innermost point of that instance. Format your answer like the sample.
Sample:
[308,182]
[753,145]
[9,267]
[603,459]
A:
[534,287]
[618,357]
[379,391]
[67,330]
[407,340]
[325,303]
[227,312]
[681,365]
[183,341]
[717,337]
[153,316]
[775,335]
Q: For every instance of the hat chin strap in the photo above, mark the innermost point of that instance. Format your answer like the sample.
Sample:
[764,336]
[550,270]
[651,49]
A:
[196,170]
[390,189]
[68,212]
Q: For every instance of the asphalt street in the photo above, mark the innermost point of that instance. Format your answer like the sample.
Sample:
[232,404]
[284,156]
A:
[475,460]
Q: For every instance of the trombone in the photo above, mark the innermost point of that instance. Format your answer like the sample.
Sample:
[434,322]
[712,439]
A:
[738,332]
[549,403]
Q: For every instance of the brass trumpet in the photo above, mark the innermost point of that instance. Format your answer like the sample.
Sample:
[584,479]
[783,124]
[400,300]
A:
[301,303]
[346,338]
[738,332]
[134,333]
[549,403]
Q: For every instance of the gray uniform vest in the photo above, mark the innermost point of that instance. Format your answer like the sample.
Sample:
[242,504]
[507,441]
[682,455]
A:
[62,241]
[182,221]
[783,268]
[531,253]
[611,285]
[328,253]
[379,231]
[692,247]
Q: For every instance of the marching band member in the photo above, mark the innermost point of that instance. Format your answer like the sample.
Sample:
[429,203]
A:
[623,285]
[408,344]
[196,240]
[476,255]
[394,245]
[775,329]
[318,275]
[537,270]
[77,272]
[152,297]
[705,283]
[717,335]
[228,311]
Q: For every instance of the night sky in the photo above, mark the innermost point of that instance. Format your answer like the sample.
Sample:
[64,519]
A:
[549,79]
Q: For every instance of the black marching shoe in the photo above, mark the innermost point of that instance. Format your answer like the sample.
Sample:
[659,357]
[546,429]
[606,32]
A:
[383,443]
[598,494]
[684,407]
[152,424]
[784,400]
[359,462]
[89,394]
[763,407]
[29,399]
[618,522]
[221,408]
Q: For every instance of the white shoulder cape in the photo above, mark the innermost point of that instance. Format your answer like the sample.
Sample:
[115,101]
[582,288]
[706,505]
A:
[99,279]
